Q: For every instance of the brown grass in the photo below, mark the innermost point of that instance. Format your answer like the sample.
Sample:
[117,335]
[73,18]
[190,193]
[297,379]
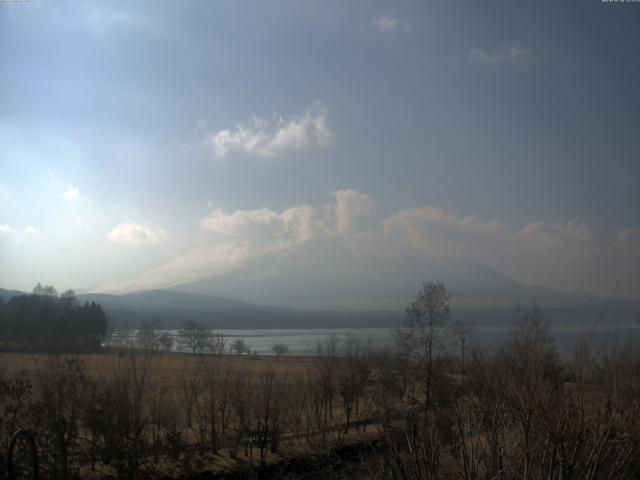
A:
[167,365]
[169,369]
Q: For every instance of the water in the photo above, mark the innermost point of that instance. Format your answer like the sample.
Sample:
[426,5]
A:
[305,341]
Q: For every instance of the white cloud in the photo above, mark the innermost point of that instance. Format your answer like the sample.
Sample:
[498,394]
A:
[355,211]
[265,229]
[351,213]
[571,255]
[5,228]
[30,231]
[72,193]
[574,235]
[135,235]
[438,233]
[385,23]
[18,237]
[267,138]
[184,148]
[548,253]
[516,54]
[389,24]
[82,225]
[202,125]
[200,263]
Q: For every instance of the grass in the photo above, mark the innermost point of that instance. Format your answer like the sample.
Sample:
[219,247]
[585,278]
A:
[169,370]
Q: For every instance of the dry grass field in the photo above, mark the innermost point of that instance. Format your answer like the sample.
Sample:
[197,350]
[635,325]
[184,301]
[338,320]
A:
[167,366]
[501,414]
[178,384]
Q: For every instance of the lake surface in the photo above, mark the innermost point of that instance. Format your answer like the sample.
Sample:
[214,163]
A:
[305,341]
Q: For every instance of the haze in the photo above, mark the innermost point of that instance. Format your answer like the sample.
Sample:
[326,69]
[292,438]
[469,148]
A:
[262,150]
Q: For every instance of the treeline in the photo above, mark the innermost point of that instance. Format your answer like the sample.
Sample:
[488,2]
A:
[46,321]
[442,407]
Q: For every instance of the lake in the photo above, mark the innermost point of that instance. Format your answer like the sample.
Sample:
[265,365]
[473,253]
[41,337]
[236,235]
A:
[304,341]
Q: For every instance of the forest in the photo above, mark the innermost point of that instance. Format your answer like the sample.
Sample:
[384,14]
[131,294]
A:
[46,321]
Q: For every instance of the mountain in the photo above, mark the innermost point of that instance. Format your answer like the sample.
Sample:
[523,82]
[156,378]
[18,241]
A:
[173,299]
[331,273]
[7,295]
[325,282]
[172,308]
[305,279]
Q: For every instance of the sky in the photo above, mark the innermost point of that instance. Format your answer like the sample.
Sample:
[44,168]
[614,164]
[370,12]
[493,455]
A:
[135,135]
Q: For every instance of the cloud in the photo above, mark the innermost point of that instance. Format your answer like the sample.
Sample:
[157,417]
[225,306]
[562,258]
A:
[354,211]
[136,235]
[203,262]
[628,238]
[184,148]
[571,255]
[351,213]
[385,23]
[30,231]
[437,232]
[271,138]
[263,229]
[389,24]
[72,193]
[5,228]
[82,225]
[574,236]
[558,254]
[515,54]
[18,236]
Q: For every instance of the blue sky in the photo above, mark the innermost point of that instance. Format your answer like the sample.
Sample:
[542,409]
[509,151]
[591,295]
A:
[134,133]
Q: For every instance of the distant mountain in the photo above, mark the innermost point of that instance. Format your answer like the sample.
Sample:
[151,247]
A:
[306,279]
[172,308]
[9,294]
[331,273]
[173,299]
[325,282]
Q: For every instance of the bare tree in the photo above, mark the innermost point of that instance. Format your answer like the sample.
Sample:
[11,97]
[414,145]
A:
[325,362]
[388,387]
[62,388]
[165,342]
[191,385]
[148,338]
[212,396]
[240,347]
[353,376]
[217,344]
[412,451]
[195,337]
[424,335]
[119,415]
[270,410]
[280,349]
[241,401]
